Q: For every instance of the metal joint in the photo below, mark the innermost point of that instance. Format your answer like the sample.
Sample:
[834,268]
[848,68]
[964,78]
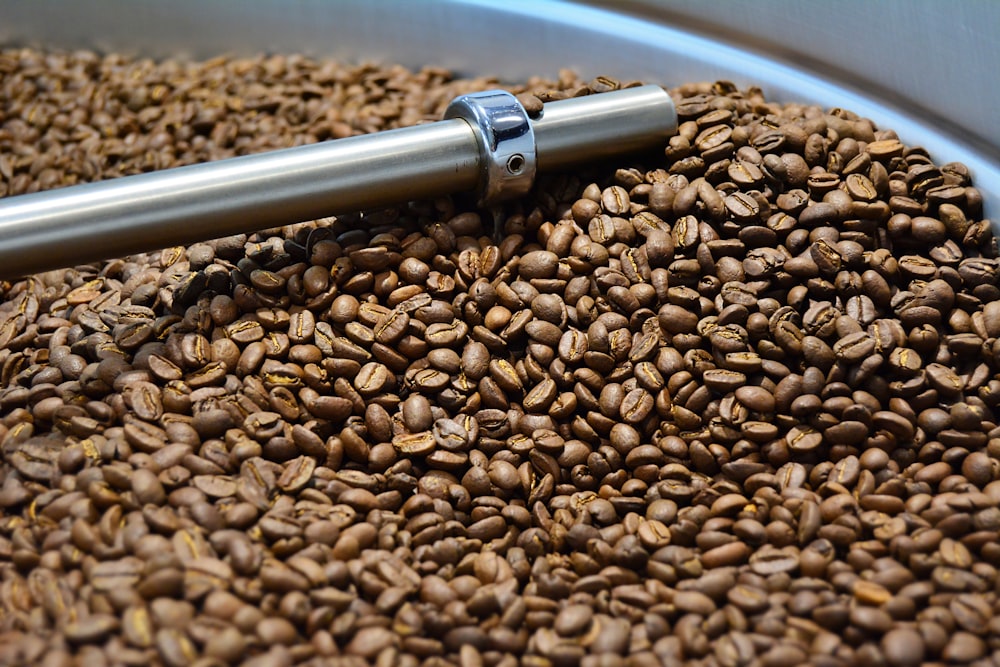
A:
[506,143]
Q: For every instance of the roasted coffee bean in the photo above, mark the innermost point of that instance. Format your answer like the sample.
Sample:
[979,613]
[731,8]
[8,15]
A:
[732,404]
[903,647]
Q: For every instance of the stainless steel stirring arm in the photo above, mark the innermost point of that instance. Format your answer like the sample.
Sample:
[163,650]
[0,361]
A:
[487,144]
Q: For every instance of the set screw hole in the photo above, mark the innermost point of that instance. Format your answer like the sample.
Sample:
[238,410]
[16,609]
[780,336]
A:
[515,164]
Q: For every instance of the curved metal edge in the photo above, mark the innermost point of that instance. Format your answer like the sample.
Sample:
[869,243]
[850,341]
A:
[507,153]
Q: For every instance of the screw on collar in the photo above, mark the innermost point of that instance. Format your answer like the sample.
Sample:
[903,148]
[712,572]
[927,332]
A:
[506,143]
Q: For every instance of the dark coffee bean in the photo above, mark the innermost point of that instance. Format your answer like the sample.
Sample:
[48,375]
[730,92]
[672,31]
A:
[767,563]
[743,207]
[749,599]
[572,346]
[871,619]
[971,613]
[297,474]
[615,200]
[415,443]
[147,487]
[964,647]
[91,629]
[227,645]
[245,331]
[539,264]
[391,327]
[636,406]
[756,398]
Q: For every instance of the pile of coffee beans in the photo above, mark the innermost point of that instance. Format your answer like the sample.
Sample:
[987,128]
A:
[729,403]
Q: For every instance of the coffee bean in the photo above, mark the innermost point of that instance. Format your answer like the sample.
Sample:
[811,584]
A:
[749,599]
[871,619]
[488,528]
[964,647]
[748,381]
[743,207]
[245,331]
[227,645]
[756,398]
[903,647]
[372,379]
[538,264]
[147,487]
[615,200]
[636,406]
[415,443]
[91,629]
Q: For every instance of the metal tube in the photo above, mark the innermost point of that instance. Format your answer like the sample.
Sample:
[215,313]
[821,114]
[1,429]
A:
[112,218]
[595,127]
[179,206]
